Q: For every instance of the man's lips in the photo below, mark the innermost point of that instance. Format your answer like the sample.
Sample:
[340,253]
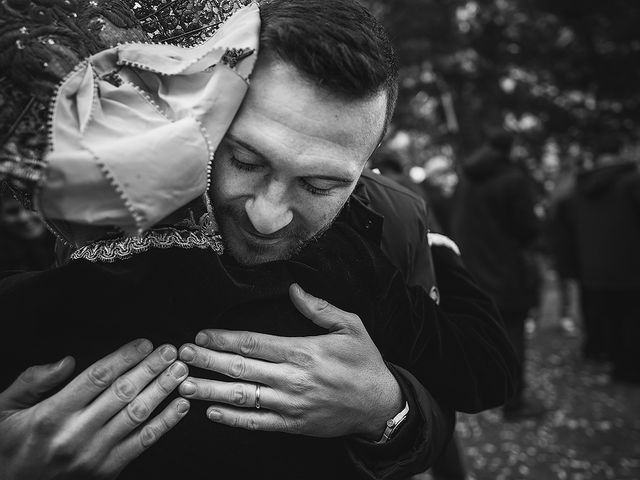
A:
[258,238]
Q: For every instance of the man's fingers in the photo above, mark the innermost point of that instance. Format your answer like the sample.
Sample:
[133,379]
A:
[231,364]
[140,408]
[264,420]
[237,394]
[33,384]
[99,376]
[136,443]
[127,387]
[248,344]
[321,312]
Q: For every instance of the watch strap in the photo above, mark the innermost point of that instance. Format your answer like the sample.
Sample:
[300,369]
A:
[393,424]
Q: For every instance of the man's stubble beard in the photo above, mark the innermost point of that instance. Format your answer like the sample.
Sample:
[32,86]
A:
[227,213]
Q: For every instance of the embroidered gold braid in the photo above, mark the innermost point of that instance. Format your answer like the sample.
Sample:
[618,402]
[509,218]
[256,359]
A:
[122,248]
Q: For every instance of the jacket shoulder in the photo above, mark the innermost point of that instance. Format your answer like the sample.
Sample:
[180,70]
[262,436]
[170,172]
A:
[377,187]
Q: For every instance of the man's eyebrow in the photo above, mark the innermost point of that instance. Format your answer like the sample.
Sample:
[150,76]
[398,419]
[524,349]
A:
[330,178]
[244,145]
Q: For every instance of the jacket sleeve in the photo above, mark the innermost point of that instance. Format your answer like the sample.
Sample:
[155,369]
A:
[457,346]
[447,357]
[459,349]
[418,443]
[471,332]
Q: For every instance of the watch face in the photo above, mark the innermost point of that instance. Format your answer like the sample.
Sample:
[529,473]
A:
[390,423]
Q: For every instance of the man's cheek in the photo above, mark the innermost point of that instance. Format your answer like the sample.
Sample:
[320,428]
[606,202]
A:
[329,210]
[236,187]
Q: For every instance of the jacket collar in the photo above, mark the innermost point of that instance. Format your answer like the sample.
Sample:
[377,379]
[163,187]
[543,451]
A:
[358,213]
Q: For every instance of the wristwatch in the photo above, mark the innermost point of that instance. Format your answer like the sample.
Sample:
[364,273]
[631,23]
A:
[393,424]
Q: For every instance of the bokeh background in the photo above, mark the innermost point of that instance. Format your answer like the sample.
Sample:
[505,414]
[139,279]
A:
[558,72]
[560,76]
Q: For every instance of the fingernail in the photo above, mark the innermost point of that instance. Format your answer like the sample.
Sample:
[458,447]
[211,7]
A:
[214,415]
[144,346]
[303,292]
[182,407]
[177,370]
[56,366]
[187,354]
[187,388]
[168,353]
[202,339]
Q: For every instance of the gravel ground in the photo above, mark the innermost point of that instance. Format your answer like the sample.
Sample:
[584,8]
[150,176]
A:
[590,431]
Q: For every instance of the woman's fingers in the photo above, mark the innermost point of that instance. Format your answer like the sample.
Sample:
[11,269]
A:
[142,406]
[84,388]
[137,442]
[126,388]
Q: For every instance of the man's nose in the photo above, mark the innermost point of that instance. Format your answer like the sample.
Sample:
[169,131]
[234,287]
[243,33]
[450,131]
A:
[268,210]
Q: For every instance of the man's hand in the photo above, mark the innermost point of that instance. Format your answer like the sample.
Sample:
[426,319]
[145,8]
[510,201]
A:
[326,386]
[94,426]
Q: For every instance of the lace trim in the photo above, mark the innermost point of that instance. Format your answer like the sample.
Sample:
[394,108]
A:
[123,248]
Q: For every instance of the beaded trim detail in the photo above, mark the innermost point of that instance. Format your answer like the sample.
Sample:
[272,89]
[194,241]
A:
[115,249]
[233,56]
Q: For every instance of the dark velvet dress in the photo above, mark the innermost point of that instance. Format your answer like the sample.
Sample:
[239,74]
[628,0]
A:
[167,295]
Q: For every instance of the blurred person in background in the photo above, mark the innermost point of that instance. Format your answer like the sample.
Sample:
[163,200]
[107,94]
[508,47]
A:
[596,231]
[439,186]
[25,242]
[561,187]
[495,224]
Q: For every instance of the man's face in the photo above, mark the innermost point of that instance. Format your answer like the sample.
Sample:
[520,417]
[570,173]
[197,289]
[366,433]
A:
[289,162]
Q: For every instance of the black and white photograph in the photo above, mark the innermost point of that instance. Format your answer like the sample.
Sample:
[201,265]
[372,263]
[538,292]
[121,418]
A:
[319,239]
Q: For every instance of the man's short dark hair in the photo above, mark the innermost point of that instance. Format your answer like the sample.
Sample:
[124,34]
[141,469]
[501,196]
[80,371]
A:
[337,44]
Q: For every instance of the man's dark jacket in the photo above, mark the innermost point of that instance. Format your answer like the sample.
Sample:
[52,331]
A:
[464,308]
[167,295]
[495,224]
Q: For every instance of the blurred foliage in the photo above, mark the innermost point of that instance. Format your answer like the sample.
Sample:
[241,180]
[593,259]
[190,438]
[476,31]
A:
[563,71]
